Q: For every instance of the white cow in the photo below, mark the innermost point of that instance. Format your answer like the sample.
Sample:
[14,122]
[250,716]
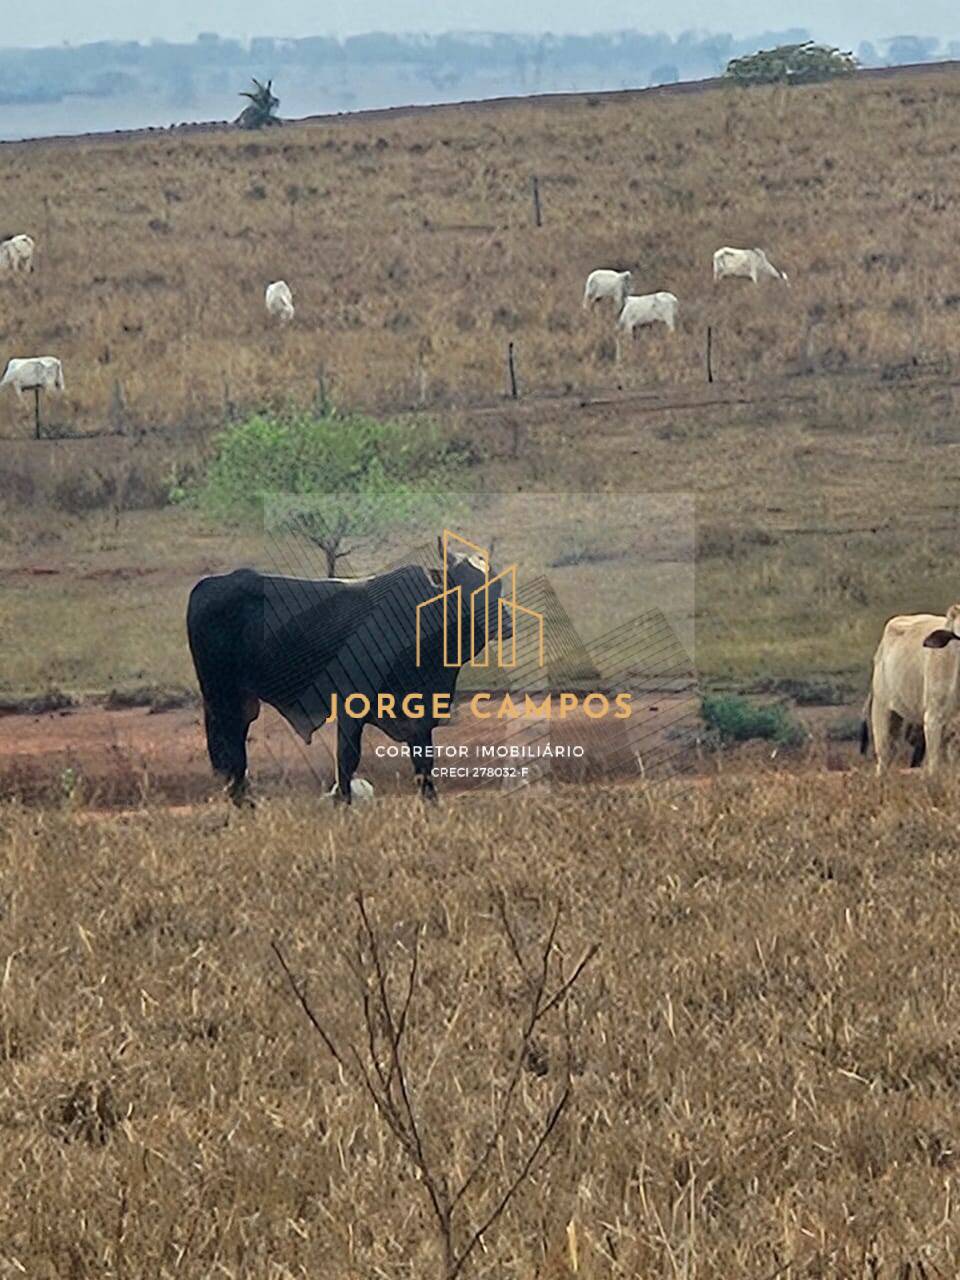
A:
[44,372]
[279,300]
[16,254]
[606,284]
[915,686]
[360,789]
[752,263]
[648,308]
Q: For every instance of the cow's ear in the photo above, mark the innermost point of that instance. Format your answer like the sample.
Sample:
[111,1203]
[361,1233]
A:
[938,639]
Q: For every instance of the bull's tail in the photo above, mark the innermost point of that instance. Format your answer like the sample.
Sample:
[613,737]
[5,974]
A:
[214,624]
[865,725]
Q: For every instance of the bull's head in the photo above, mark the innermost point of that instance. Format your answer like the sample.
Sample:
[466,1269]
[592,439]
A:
[941,637]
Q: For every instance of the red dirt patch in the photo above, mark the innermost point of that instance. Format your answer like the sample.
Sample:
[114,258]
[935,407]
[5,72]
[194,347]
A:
[121,757]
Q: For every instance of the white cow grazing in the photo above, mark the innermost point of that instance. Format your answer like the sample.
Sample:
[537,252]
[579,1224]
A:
[606,284]
[44,372]
[280,300]
[752,263]
[648,308]
[16,254]
[915,686]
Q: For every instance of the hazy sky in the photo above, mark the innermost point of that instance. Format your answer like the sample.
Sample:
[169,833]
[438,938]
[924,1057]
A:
[841,21]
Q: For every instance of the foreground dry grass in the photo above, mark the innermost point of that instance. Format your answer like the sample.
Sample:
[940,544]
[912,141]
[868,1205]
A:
[765,1063]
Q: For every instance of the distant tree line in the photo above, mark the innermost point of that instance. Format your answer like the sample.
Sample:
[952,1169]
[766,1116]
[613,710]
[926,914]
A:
[109,69]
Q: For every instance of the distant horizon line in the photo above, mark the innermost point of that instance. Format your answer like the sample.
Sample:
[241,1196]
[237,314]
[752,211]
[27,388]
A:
[467,33]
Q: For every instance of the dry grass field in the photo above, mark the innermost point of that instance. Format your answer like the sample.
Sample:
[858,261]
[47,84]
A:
[822,460]
[764,1053]
[758,1067]
[418,236]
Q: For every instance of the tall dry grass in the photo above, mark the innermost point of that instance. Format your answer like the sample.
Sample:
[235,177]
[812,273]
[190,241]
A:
[765,1052]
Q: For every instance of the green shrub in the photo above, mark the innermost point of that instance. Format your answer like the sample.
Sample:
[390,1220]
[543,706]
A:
[340,480]
[734,719]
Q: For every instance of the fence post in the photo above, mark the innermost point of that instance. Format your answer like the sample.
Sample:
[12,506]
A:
[709,352]
[513,372]
[118,408]
[535,183]
[36,410]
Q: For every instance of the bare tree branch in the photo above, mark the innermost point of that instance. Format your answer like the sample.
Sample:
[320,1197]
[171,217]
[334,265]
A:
[565,988]
[512,1189]
[536,1013]
[501,901]
[306,1008]
[435,1190]
[386,1082]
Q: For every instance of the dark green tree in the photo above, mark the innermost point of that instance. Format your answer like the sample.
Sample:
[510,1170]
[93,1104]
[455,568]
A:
[802,63]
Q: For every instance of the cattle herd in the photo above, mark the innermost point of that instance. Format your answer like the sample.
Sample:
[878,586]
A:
[915,687]
[634,310]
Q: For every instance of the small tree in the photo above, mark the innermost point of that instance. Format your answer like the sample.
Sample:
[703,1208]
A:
[343,482]
[262,109]
[802,63]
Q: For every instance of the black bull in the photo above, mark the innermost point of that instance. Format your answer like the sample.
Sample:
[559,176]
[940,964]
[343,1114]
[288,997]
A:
[295,642]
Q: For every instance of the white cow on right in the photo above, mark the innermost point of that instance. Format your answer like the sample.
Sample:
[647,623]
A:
[279,301]
[915,688]
[752,263]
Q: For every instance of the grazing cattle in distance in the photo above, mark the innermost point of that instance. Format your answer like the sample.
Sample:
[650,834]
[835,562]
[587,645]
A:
[44,372]
[751,263]
[307,646]
[16,254]
[648,308]
[279,300]
[606,284]
[915,688]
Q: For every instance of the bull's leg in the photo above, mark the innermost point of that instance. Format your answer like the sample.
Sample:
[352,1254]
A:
[227,722]
[349,733]
[885,727]
[423,766]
